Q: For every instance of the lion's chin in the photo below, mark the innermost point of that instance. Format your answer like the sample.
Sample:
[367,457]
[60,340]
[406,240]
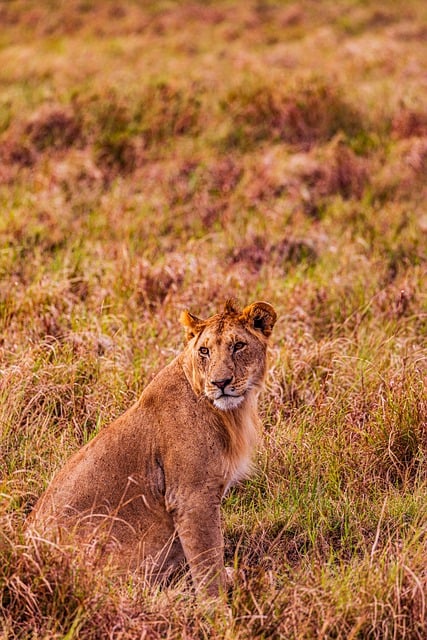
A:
[228,403]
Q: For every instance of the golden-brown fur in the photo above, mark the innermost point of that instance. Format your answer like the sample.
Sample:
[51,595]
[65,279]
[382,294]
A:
[149,486]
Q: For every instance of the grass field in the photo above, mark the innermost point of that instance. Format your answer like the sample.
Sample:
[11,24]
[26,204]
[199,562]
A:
[156,156]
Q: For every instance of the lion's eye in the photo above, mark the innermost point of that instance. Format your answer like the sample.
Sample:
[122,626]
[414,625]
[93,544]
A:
[238,346]
[204,351]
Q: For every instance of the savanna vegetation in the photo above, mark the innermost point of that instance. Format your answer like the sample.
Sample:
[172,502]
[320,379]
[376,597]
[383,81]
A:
[162,155]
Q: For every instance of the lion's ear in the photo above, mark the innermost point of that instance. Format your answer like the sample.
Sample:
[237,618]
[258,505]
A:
[192,323]
[261,316]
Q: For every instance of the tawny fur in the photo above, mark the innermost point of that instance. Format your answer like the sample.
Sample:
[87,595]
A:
[149,486]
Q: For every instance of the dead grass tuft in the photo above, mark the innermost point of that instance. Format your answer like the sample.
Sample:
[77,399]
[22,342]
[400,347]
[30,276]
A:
[256,252]
[56,593]
[398,441]
[408,123]
[344,173]
[15,153]
[156,284]
[53,127]
[253,253]
[404,173]
[301,114]
[334,171]
[417,157]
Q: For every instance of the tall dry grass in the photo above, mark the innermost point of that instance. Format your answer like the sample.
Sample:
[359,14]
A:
[162,156]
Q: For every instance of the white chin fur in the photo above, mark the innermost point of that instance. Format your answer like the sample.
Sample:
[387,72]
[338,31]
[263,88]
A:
[227,403]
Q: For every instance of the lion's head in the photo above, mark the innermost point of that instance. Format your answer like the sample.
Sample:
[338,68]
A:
[228,352]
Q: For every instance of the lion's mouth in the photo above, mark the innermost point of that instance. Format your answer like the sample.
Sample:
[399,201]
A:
[227,393]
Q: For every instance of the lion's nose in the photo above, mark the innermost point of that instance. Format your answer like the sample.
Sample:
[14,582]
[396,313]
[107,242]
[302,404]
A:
[221,384]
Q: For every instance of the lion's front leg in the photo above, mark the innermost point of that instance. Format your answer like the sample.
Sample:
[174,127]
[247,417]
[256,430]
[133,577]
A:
[197,521]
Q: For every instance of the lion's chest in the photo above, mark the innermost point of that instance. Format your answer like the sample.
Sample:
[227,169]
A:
[240,457]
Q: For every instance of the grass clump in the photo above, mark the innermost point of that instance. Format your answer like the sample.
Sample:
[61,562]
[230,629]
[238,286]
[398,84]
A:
[304,113]
[124,131]
[53,127]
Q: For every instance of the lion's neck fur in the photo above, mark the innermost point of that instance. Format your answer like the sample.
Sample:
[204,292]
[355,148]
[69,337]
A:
[241,429]
[238,428]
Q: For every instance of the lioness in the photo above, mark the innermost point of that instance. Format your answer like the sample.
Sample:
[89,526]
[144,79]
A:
[149,486]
